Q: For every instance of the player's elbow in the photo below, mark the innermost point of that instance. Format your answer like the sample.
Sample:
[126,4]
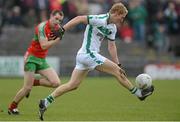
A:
[44,47]
[44,44]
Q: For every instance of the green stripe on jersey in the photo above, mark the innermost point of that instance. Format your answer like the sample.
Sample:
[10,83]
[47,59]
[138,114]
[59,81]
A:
[88,18]
[35,37]
[102,17]
[41,30]
[89,39]
[104,30]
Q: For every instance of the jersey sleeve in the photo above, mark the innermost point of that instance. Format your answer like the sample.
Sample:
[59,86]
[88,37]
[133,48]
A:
[112,36]
[41,31]
[97,20]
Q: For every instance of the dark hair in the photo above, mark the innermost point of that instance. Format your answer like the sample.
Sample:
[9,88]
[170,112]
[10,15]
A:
[54,12]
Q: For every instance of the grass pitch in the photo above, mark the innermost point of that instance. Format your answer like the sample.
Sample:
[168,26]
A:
[97,99]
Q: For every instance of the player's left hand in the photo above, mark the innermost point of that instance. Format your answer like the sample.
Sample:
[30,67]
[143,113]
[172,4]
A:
[122,70]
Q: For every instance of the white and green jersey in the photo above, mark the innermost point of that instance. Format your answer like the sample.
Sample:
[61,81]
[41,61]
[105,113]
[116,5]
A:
[96,31]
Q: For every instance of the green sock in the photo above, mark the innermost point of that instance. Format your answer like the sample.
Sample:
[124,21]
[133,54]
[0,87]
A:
[48,100]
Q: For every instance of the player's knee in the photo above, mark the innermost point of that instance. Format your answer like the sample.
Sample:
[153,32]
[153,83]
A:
[122,74]
[56,84]
[27,89]
[72,86]
[119,73]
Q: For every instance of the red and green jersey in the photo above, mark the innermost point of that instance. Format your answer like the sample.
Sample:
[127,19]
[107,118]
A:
[42,32]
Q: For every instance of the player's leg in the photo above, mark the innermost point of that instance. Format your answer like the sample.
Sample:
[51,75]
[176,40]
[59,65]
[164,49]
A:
[113,69]
[28,82]
[76,78]
[50,79]
[78,74]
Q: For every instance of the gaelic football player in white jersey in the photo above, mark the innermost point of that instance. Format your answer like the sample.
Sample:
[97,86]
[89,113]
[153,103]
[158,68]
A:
[99,28]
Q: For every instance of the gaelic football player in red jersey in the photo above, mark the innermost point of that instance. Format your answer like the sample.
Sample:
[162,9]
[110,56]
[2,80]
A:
[34,59]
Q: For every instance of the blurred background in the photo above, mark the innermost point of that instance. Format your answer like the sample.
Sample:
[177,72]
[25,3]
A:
[148,40]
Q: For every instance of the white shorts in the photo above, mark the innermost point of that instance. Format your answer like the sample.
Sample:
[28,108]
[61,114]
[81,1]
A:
[89,61]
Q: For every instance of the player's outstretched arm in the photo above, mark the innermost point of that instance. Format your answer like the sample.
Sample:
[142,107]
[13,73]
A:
[75,21]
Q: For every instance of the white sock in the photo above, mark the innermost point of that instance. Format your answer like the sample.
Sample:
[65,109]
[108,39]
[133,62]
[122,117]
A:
[48,100]
[136,92]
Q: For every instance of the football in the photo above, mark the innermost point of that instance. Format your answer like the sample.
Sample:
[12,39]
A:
[143,81]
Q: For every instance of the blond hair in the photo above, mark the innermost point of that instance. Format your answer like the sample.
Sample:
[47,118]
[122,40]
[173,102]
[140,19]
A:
[119,8]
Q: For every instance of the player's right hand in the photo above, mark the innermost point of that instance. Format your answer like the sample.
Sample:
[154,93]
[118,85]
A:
[122,70]
[59,31]
[52,36]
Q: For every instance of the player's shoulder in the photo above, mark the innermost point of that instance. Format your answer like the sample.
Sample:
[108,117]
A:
[42,24]
[103,15]
[112,26]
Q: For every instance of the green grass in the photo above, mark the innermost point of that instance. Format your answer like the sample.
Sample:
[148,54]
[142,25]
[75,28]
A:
[100,99]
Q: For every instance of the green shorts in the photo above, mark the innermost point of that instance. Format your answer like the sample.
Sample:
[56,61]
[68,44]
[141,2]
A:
[34,64]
